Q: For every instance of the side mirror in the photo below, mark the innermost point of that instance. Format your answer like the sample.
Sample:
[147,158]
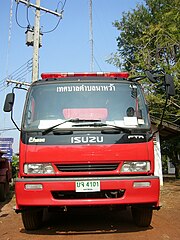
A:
[8,105]
[150,77]
[170,89]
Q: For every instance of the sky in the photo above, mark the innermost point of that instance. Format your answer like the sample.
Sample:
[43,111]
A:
[66,49]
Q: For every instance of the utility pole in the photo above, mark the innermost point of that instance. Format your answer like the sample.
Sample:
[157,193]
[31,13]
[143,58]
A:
[36,39]
[91,37]
[35,66]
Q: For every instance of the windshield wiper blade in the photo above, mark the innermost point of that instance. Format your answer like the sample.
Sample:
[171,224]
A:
[48,130]
[75,120]
[101,124]
[119,128]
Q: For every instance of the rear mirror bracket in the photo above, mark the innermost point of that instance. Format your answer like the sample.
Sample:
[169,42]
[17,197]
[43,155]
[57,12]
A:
[9,103]
[169,84]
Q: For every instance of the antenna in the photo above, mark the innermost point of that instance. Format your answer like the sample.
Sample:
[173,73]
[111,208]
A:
[91,37]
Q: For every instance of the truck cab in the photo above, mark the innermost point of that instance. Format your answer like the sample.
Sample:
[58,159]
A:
[86,140]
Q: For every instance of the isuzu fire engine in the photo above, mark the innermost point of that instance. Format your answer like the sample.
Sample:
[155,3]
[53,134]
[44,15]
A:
[86,140]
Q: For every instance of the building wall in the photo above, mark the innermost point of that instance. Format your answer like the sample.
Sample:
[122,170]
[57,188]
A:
[157,155]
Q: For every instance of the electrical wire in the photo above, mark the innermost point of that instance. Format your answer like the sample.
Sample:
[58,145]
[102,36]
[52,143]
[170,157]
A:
[60,18]
[97,64]
[16,16]
[63,5]
[29,62]
[52,30]
[22,75]
[18,74]
[21,71]
[27,14]
[62,9]
[7,129]
[3,88]
[2,81]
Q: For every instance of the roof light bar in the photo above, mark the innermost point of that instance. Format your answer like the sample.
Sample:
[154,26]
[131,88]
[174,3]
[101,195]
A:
[86,74]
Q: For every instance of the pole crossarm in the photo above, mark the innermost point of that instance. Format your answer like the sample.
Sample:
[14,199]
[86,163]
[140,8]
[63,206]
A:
[18,82]
[39,7]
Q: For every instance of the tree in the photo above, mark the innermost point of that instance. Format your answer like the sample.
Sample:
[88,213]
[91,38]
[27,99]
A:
[149,36]
[171,148]
[149,39]
[15,164]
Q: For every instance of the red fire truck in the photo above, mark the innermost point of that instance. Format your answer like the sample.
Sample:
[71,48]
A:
[86,140]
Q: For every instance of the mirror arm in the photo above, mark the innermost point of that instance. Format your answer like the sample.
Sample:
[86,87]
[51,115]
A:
[160,124]
[162,116]
[12,119]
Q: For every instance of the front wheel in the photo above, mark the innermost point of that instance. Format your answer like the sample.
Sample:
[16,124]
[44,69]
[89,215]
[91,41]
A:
[32,219]
[142,216]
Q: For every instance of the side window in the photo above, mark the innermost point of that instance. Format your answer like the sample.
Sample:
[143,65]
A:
[30,111]
[141,113]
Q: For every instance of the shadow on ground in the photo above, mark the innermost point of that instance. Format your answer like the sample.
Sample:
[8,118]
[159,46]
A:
[79,221]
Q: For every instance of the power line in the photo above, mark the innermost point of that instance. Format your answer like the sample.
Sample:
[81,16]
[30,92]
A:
[56,26]
[97,64]
[63,5]
[7,129]
[23,72]
[16,17]
[27,14]
[28,63]
[2,89]
[18,74]
[60,18]
[36,32]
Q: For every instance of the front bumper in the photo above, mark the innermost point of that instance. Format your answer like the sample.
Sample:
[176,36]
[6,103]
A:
[44,197]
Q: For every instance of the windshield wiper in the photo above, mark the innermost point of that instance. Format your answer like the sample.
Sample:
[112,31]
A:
[75,120]
[101,124]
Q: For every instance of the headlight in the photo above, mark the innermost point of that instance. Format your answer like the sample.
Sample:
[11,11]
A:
[38,168]
[141,166]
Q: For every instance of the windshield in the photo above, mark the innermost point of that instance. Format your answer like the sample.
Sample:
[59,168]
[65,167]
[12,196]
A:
[121,104]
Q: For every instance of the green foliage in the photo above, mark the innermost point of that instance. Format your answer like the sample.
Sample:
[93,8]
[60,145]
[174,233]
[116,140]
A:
[149,39]
[15,165]
[164,164]
[171,148]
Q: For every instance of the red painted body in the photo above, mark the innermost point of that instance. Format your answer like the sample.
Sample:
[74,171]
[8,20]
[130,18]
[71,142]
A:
[116,148]
[63,181]
[71,154]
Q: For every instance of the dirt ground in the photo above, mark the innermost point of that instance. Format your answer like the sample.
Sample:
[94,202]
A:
[81,224]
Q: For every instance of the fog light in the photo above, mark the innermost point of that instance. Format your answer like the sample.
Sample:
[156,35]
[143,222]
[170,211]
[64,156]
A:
[141,184]
[33,186]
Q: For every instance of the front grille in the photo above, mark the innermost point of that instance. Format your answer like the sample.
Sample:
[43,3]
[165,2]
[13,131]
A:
[86,167]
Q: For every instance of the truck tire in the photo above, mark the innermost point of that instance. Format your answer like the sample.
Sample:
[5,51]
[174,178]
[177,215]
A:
[142,216]
[2,192]
[32,219]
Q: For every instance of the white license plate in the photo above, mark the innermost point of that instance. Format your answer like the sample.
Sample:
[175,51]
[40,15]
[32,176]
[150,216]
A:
[88,186]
